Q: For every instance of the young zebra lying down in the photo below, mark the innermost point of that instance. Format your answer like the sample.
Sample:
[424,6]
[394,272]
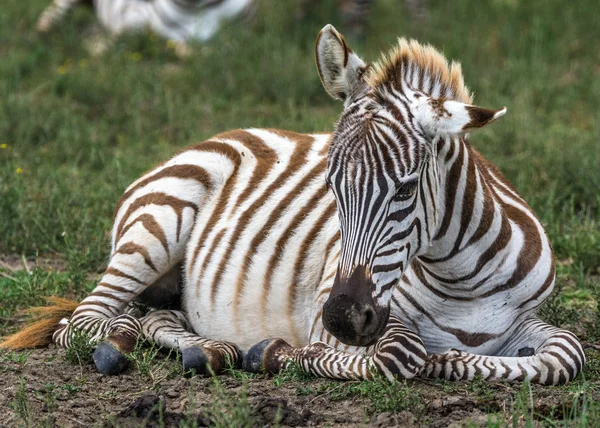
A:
[390,246]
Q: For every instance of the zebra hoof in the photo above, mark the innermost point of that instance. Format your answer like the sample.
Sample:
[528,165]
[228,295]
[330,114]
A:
[526,352]
[266,356]
[195,361]
[109,360]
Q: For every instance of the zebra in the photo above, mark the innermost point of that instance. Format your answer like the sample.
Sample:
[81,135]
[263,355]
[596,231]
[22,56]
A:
[183,20]
[389,247]
[176,20]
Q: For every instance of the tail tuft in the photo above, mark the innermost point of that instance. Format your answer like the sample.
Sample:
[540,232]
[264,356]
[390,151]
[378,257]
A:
[45,319]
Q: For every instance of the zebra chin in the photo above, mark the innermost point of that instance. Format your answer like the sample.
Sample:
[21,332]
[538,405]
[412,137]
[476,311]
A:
[351,314]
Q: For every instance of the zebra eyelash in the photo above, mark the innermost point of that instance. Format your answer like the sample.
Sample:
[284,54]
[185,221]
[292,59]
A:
[406,190]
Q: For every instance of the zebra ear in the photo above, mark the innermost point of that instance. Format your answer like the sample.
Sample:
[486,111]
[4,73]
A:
[438,116]
[339,68]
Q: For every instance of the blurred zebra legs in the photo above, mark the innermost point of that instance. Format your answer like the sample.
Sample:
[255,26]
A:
[398,354]
[537,351]
[55,13]
[170,329]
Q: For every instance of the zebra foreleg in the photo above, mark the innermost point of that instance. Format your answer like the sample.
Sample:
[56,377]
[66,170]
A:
[537,351]
[399,354]
[203,356]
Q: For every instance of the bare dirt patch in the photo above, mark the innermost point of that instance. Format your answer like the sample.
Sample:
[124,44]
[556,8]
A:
[15,262]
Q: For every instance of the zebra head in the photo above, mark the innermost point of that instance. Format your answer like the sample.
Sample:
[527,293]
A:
[383,170]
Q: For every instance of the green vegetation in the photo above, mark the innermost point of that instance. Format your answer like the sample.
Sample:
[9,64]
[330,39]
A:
[229,408]
[82,348]
[292,373]
[76,130]
[379,395]
[153,364]
[20,404]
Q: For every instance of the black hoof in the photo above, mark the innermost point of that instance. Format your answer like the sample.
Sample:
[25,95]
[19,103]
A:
[253,360]
[266,356]
[109,360]
[195,361]
[526,352]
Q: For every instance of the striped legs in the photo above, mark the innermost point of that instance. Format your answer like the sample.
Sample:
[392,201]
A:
[170,329]
[152,227]
[538,351]
[398,354]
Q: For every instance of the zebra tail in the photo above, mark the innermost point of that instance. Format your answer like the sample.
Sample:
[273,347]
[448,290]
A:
[44,320]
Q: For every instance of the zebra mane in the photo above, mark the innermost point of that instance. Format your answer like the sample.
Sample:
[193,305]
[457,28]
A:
[423,67]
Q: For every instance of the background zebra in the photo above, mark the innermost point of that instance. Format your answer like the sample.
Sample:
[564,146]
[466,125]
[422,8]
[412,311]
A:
[436,249]
[177,20]
[182,20]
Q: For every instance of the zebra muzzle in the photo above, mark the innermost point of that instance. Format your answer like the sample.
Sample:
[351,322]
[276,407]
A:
[351,314]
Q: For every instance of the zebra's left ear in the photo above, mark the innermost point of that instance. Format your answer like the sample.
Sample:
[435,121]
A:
[339,68]
[438,116]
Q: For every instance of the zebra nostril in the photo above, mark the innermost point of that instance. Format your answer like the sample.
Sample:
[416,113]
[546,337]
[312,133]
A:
[367,320]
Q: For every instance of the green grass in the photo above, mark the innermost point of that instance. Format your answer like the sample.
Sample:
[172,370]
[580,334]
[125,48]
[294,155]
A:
[75,130]
[79,129]
[81,349]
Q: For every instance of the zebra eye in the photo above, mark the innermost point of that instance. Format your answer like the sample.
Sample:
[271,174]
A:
[406,190]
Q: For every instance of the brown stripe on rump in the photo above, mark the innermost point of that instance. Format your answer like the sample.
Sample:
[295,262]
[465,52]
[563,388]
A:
[158,198]
[152,226]
[108,296]
[116,272]
[132,248]
[187,171]
[116,288]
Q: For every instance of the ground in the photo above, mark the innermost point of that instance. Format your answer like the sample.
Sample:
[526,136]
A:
[77,128]
[42,388]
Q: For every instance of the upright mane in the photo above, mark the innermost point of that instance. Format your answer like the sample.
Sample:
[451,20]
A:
[423,68]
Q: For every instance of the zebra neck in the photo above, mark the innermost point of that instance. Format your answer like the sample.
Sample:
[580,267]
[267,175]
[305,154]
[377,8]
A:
[467,218]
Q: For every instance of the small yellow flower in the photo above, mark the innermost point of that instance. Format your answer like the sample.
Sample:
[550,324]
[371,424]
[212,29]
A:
[3,146]
[171,44]
[19,170]
[62,69]
[136,56]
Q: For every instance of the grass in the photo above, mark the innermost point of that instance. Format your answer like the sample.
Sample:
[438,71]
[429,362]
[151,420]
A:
[81,350]
[21,406]
[229,408]
[76,130]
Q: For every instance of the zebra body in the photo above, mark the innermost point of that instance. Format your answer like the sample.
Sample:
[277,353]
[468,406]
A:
[232,283]
[414,256]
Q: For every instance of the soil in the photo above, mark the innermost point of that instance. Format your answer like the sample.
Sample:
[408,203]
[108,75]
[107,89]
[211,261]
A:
[59,393]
